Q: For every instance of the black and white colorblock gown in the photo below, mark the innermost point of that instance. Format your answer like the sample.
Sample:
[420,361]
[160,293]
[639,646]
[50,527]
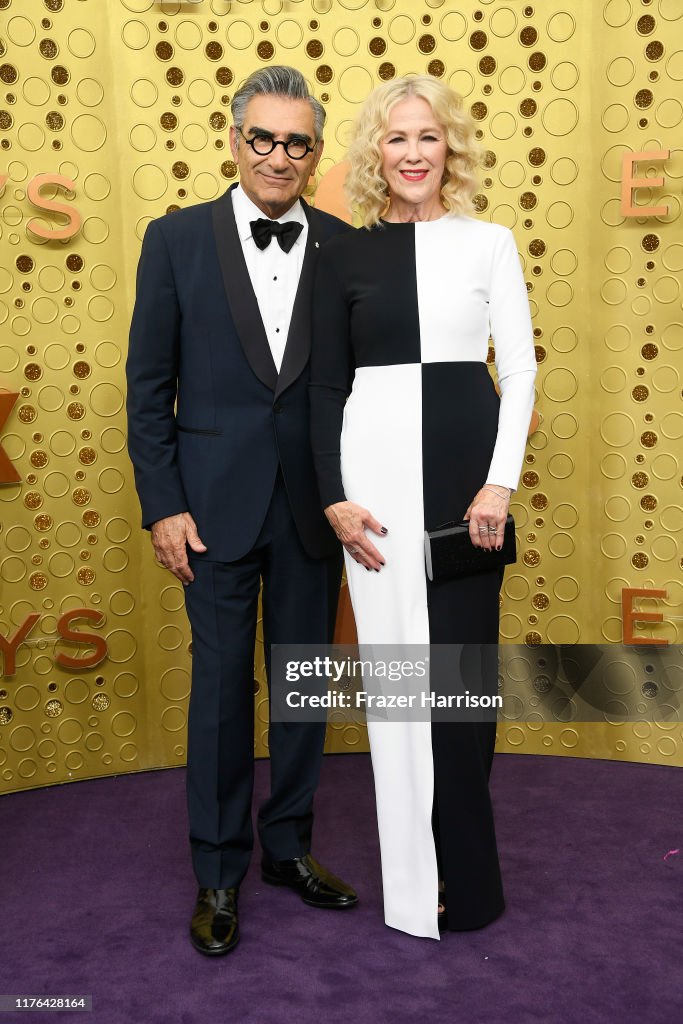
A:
[406,421]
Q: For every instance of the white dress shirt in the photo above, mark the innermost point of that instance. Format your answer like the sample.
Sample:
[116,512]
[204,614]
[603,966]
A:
[274,274]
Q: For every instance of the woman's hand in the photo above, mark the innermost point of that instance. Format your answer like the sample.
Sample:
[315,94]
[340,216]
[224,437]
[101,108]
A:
[349,520]
[487,514]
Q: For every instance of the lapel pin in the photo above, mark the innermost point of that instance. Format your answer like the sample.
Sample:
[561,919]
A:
[317,245]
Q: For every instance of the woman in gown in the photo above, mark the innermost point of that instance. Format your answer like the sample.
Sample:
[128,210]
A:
[408,432]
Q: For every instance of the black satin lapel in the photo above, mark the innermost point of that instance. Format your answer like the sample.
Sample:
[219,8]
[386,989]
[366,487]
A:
[298,347]
[240,293]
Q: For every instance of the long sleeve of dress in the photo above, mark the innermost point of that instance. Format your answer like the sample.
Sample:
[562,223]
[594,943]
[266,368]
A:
[512,334]
[331,376]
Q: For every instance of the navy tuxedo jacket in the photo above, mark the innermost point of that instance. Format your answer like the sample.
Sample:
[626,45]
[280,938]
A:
[209,417]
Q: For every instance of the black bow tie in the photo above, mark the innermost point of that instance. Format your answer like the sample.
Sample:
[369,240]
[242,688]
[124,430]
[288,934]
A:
[262,231]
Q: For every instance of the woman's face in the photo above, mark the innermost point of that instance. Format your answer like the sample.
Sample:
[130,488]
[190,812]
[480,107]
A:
[414,151]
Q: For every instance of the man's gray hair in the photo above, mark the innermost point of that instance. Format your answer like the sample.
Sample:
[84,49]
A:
[276,80]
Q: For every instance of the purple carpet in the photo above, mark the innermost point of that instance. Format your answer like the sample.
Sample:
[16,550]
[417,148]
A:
[97,894]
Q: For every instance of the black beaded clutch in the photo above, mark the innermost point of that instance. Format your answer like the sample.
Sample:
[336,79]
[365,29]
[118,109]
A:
[449,552]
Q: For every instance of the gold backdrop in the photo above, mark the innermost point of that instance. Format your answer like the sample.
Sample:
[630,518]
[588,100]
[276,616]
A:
[129,102]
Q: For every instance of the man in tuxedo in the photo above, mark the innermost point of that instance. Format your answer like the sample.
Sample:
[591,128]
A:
[219,439]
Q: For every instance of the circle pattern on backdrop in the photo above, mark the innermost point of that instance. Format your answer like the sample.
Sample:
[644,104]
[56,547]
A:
[516,73]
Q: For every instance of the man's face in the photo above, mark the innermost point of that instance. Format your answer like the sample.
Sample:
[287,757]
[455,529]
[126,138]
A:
[274,182]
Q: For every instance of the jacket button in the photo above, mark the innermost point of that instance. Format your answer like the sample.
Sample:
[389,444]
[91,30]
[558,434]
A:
[277,407]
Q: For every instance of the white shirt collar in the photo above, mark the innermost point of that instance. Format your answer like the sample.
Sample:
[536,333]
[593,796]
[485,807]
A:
[246,211]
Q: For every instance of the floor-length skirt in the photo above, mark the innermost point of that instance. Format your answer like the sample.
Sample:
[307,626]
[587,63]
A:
[416,445]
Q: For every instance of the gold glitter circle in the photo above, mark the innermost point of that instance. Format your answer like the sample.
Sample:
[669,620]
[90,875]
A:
[175,77]
[640,393]
[478,40]
[37,581]
[6,715]
[436,68]
[91,518]
[648,503]
[228,168]
[32,371]
[644,98]
[487,65]
[649,350]
[74,262]
[528,108]
[532,557]
[87,456]
[163,50]
[39,459]
[54,121]
[60,75]
[540,601]
[213,50]
[8,74]
[180,170]
[218,120]
[53,708]
[224,76]
[386,71]
[324,74]
[43,522]
[640,560]
[168,121]
[648,439]
[265,49]
[377,46]
[80,496]
[640,480]
[645,25]
[85,576]
[33,500]
[654,50]
[479,111]
[75,411]
[528,36]
[528,200]
[24,264]
[101,702]
[532,639]
[537,247]
[81,369]
[426,44]
[537,61]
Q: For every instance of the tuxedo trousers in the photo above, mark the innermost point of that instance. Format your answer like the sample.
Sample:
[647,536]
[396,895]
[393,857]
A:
[299,603]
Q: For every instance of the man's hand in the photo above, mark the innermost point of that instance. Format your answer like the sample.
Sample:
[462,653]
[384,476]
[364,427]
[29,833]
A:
[348,520]
[170,537]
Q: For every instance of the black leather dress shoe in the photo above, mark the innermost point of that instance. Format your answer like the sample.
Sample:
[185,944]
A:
[314,883]
[215,927]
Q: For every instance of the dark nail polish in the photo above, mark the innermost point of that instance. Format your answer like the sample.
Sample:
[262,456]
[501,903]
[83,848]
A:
[368,568]
[384,530]
[376,570]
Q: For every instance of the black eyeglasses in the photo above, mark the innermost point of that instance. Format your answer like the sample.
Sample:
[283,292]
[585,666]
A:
[296,149]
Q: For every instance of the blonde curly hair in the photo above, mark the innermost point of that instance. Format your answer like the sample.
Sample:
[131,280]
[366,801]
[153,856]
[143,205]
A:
[365,186]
